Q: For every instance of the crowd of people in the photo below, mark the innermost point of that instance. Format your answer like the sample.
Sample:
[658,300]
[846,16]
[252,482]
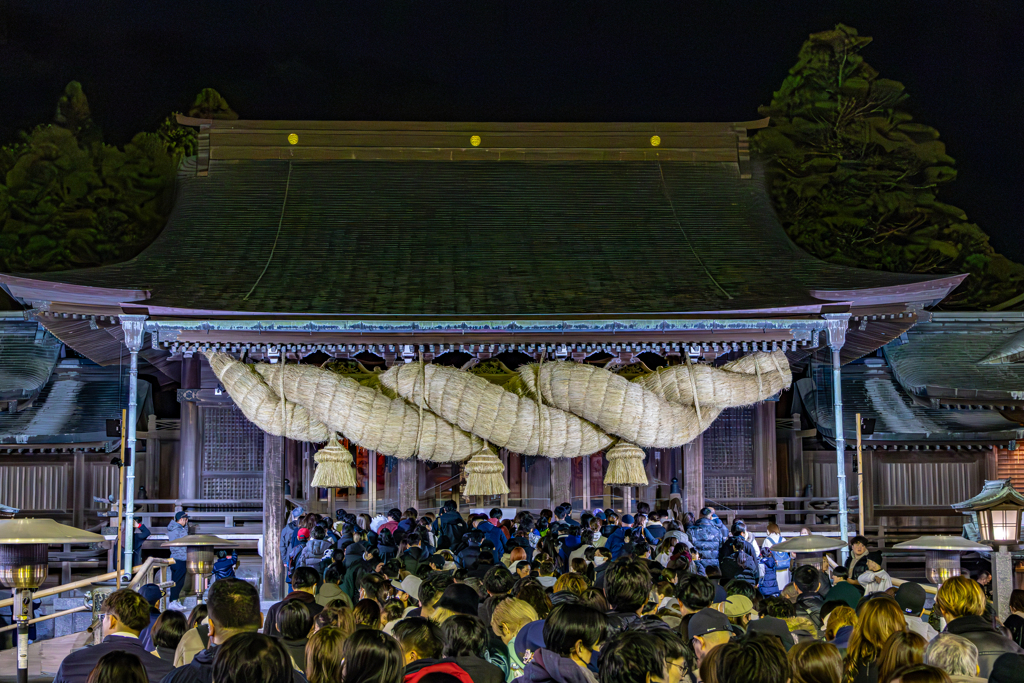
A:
[656,597]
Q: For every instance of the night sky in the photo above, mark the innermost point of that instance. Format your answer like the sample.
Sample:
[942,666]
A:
[685,60]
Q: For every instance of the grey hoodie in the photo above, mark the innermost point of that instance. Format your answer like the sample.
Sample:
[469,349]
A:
[174,532]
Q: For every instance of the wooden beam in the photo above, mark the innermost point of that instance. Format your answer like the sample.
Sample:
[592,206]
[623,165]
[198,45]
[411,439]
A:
[408,484]
[765,475]
[561,481]
[693,476]
[273,521]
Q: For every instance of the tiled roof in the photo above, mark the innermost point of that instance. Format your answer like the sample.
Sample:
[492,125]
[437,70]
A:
[73,407]
[478,238]
[950,360]
[27,356]
[871,390]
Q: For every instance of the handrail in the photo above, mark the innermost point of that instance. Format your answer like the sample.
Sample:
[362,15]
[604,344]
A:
[45,617]
[446,481]
[139,573]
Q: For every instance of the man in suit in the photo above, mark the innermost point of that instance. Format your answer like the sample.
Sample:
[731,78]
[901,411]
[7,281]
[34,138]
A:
[124,614]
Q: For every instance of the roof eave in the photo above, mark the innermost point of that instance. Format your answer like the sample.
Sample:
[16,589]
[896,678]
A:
[30,291]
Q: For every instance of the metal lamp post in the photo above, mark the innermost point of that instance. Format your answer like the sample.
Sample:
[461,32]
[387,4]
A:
[200,556]
[24,564]
[998,508]
[810,550]
[942,555]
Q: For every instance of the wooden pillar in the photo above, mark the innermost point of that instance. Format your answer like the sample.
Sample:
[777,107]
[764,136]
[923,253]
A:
[649,493]
[693,476]
[273,517]
[586,482]
[561,481]
[408,484]
[503,455]
[78,488]
[796,459]
[188,473]
[371,484]
[868,494]
[152,459]
[992,463]
[765,475]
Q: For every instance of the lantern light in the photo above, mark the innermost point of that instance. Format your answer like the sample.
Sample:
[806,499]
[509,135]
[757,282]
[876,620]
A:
[998,508]
[199,557]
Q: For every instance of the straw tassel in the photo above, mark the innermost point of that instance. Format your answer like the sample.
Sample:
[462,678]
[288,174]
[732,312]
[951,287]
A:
[625,465]
[334,466]
[485,474]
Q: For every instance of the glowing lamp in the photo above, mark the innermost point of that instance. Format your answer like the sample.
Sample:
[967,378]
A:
[998,508]
[475,141]
[655,141]
[293,139]
[24,544]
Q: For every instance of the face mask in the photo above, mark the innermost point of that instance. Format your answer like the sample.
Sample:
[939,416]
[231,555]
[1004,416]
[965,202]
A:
[598,560]
[596,536]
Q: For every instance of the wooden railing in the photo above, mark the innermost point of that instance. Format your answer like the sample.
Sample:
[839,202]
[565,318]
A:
[164,516]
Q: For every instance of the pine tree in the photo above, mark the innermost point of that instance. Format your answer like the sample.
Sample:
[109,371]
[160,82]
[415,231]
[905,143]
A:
[67,200]
[856,181]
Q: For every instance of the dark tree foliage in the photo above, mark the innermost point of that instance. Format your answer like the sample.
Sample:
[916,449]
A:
[67,200]
[182,140]
[855,180]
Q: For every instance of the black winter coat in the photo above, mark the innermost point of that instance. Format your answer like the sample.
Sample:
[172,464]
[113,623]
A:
[990,642]
[707,536]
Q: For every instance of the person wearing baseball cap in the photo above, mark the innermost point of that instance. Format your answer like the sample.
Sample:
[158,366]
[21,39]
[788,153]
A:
[708,629]
[740,610]
[175,530]
[911,598]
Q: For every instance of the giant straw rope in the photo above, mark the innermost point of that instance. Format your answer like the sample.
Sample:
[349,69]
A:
[445,414]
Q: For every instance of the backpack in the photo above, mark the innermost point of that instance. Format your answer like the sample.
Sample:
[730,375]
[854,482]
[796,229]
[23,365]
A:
[781,558]
[453,530]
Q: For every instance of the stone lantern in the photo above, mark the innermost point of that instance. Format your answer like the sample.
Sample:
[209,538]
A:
[24,564]
[200,557]
[998,508]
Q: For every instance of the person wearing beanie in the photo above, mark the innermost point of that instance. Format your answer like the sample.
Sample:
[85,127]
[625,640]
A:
[911,598]
[457,598]
[619,538]
[152,594]
[295,553]
[875,579]
[1009,668]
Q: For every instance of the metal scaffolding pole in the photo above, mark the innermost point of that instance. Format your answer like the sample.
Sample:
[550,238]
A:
[836,324]
[134,327]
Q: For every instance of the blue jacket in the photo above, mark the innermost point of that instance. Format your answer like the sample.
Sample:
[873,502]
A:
[495,536]
[617,541]
[224,567]
[77,666]
[769,585]
[707,536]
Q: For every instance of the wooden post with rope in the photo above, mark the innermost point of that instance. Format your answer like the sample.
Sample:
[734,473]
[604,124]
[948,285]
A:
[120,502]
